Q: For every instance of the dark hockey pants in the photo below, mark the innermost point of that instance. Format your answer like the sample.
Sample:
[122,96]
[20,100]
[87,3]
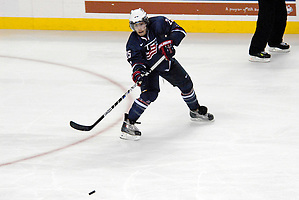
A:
[150,89]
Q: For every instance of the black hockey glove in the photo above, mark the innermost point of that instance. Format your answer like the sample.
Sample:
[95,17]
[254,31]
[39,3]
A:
[139,75]
[167,49]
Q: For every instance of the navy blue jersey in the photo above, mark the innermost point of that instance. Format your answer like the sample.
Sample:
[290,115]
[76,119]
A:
[143,51]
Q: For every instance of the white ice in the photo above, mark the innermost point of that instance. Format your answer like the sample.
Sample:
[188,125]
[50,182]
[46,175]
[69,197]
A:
[47,78]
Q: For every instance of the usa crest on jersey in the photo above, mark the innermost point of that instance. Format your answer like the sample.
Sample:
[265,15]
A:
[151,49]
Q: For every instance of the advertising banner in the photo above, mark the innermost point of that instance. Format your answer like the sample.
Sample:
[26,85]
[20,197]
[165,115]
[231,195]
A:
[198,7]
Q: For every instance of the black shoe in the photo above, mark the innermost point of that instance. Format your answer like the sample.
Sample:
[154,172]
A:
[260,57]
[282,47]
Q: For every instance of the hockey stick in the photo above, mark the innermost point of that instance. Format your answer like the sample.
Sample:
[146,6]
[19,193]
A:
[88,128]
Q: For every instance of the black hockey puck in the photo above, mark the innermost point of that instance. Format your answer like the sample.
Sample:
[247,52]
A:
[92,192]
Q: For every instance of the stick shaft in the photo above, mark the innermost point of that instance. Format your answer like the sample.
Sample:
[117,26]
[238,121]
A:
[88,128]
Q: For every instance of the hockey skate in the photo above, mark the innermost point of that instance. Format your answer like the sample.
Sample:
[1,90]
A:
[201,114]
[280,48]
[260,57]
[129,131]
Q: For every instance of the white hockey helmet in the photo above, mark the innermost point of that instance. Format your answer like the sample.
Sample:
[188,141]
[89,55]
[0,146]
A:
[136,16]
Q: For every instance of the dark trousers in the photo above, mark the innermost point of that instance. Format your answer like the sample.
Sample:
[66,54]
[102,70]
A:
[177,77]
[270,27]
[150,88]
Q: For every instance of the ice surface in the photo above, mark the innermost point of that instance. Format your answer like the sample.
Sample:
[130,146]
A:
[48,78]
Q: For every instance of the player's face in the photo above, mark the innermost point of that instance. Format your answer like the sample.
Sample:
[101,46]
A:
[140,28]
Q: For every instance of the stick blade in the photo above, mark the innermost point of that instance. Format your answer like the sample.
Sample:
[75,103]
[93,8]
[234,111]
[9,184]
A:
[80,127]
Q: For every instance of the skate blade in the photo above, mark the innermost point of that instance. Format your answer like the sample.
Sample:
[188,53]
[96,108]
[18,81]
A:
[204,118]
[278,50]
[201,120]
[126,136]
[257,59]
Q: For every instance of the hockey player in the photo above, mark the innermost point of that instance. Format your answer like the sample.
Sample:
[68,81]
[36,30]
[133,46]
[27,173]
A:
[150,40]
